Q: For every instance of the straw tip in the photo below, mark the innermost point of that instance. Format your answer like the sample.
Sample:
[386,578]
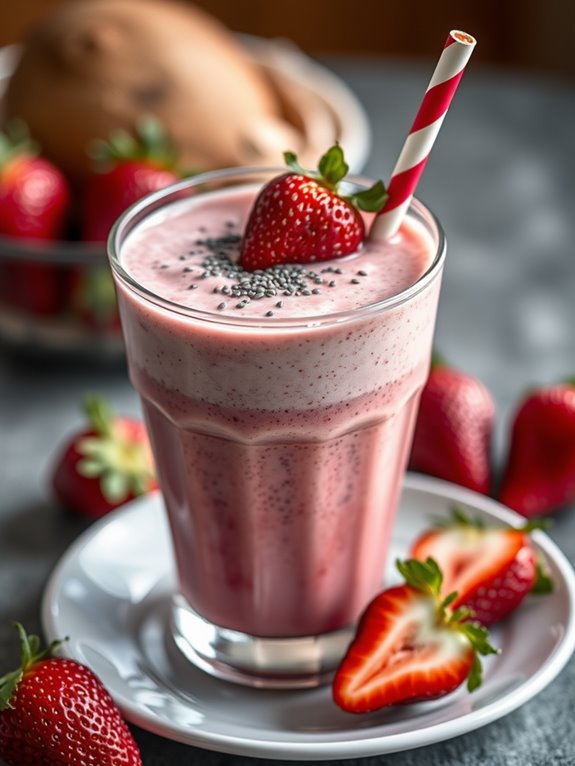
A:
[462,37]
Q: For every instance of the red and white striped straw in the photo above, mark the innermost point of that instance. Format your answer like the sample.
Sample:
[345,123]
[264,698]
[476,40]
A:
[414,155]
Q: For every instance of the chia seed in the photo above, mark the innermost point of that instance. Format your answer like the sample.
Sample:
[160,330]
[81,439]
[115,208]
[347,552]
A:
[244,286]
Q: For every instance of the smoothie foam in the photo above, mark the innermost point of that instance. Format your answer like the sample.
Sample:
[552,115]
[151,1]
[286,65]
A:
[280,426]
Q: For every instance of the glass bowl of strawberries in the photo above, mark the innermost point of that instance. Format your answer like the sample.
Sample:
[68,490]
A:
[56,289]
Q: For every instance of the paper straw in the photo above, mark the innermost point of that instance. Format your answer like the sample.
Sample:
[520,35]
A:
[409,167]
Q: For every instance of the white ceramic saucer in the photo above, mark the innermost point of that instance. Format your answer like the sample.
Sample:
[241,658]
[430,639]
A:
[110,595]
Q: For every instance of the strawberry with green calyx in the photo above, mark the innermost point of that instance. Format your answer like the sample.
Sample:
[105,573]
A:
[105,465]
[34,195]
[35,205]
[130,166]
[56,712]
[492,568]
[303,216]
[454,429]
[411,645]
[93,298]
[539,475]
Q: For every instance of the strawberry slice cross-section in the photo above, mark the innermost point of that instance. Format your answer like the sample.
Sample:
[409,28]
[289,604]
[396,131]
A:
[492,568]
[410,646]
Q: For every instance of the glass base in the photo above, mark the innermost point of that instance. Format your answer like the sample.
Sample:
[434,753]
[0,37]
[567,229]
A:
[267,663]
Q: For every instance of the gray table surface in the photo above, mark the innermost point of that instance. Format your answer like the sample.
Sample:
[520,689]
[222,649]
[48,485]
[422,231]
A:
[501,179]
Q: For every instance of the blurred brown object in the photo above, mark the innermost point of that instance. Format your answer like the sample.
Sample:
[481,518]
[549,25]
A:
[517,33]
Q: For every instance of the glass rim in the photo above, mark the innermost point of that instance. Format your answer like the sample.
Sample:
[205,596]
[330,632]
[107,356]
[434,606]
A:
[153,202]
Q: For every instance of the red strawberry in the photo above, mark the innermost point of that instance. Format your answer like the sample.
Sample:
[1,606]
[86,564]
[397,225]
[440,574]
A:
[132,166]
[540,473]
[56,712]
[453,431]
[93,299]
[34,195]
[105,465]
[410,646]
[300,217]
[492,568]
[34,204]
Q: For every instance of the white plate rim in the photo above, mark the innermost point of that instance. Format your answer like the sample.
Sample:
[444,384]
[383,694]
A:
[366,746]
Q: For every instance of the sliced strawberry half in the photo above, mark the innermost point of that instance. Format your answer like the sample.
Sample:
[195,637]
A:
[410,646]
[492,568]
[304,216]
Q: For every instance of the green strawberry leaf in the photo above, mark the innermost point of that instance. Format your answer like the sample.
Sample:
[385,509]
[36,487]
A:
[8,685]
[115,486]
[333,167]
[533,524]
[91,469]
[424,576]
[15,141]
[99,414]
[291,161]
[147,142]
[475,677]
[459,517]
[29,655]
[371,200]
[478,637]
[544,582]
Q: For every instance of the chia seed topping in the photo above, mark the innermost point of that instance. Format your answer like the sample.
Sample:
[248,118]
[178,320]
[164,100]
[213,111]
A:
[289,279]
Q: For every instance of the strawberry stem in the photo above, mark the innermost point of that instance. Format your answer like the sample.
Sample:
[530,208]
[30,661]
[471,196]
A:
[148,142]
[544,582]
[426,576]
[15,142]
[332,168]
[30,654]
[99,414]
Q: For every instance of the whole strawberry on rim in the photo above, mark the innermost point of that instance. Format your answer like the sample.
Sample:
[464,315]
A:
[539,475]
[307,216]
[127,168]
[411,645]
[104,465]
[56,712]
[492,568]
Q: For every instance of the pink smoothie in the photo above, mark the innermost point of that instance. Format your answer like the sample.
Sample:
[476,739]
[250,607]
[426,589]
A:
[280,422]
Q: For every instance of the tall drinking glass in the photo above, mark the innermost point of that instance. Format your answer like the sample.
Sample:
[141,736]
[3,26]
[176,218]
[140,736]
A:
[280,406]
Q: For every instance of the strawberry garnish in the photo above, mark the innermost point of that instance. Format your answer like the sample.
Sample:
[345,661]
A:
[411,645]
[304,216]
[105,465]
[129,167]
[539,476]
[56,712]
[452,438]
[492,568]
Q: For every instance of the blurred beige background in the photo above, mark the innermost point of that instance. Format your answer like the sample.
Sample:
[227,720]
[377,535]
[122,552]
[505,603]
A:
[518,33]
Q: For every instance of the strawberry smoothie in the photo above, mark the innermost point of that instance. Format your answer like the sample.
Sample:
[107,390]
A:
[280,405]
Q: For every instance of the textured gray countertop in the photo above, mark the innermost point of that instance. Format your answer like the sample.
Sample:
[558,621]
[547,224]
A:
[501,179]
